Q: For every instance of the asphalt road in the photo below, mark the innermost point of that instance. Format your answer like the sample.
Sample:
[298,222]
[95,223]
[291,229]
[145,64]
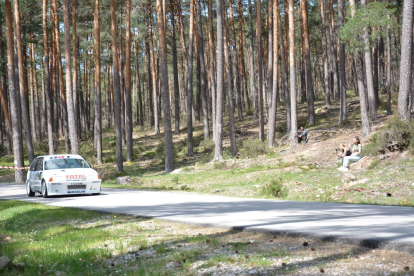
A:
[388,227]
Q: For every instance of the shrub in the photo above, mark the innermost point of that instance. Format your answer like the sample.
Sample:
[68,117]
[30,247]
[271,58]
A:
[253,148]
[275,189]
[396,136]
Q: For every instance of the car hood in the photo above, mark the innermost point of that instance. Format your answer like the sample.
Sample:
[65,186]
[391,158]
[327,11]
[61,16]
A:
[62,175]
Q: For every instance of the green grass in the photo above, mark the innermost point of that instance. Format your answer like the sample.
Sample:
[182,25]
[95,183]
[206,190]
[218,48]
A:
[50,239]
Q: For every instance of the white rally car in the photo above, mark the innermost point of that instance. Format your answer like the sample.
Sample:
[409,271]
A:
[62,175]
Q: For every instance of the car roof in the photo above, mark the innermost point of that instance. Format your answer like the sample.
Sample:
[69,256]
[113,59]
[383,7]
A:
[53,156]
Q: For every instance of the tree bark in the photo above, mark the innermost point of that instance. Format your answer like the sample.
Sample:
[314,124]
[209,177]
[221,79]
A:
[175,71]
[69,92]
[154,75]
[308,70]
[64,105]
[230,89]
[342,87]
[212,68]
[368,71]
[47,80]
[389,77]
[273,102]
[237,62]
[259,68]
[203,72]
[218,153]
[253,86]
[285,84]
[326,85]
[23,91]
[360,79]
[189,83]
[334,54]
[14,105]
[75,68]
[138,87]
[292,72]
[149,81]
[406,60]
[97,81]
[128,98]
[117,96]
[169,150]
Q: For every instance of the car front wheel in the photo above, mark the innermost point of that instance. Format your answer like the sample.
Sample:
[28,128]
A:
[29,191]
[44,189]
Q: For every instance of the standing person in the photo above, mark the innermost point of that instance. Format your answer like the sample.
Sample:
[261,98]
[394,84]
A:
[302,135]
[356,150]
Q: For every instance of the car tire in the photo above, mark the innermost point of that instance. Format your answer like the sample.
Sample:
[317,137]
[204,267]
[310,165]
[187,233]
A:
[44,189]
[29,191]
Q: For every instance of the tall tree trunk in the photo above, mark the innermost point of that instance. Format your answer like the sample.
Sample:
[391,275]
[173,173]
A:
[14,105]
[117,94]
[302,63]
[75,68]
[334,54]
[237,62]
[47,80]
[138,87]
[23,91]
[149,81]
[241,69]
[189,83]
[230,89]
[169,150]
[175,71]
[389,77]
[203,72]
[259,68]
[284,70]
[33,114]
[342,87]
[406,60]
[5,91]
[97,80]
[213,84]
[360,79]
[36,91]
[253,85]
[326,85]
[154,75]
[6,114]
[64,99]
[368,71]
[218,153]
[270,58]
[308,70]
[128,98]
[69,92]
[110,98]
[292,73]
[273,102]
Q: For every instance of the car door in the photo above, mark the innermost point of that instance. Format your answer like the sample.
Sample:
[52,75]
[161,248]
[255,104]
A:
[37,174]
[31,174]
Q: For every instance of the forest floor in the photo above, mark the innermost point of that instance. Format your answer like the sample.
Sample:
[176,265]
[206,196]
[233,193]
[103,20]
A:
[304,173]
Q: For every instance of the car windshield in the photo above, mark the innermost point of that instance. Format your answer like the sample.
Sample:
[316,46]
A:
[65,163]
